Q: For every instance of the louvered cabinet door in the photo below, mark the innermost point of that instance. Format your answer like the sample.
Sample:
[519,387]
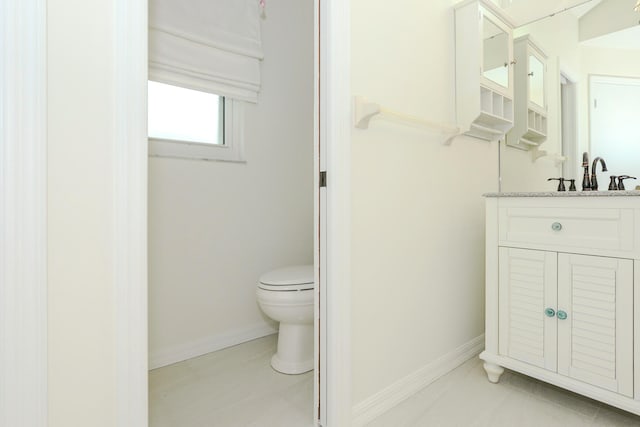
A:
[528,287]
[595,341]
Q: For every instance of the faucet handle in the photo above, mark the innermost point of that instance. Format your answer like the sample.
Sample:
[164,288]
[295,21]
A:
[572,184]
[561,186]
[612,183]
[621,179]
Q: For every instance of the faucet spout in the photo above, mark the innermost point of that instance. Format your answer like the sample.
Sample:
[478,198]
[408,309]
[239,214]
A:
[595,163]
[594,181]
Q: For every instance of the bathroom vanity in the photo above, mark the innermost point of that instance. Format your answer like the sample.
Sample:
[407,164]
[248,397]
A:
[563,291]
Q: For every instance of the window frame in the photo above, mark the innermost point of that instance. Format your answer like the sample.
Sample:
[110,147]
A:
[232,149]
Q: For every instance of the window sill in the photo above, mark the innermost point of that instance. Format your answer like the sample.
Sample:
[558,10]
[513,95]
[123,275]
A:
[231,151]
[194,151]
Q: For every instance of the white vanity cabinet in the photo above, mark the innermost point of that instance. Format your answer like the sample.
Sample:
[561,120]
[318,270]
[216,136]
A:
[484,69]
[563,292]
[530,105]
[570,314]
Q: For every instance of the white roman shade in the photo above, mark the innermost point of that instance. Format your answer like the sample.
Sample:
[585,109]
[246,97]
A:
[209,45]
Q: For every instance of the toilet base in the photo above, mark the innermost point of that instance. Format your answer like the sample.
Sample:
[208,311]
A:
[291,368]
[295,349]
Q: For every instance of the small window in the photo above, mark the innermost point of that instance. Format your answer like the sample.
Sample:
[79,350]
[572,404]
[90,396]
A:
[187,123]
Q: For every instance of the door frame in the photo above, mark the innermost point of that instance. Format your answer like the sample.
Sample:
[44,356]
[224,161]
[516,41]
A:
[332,151]
[130,211]
[23,207]
[568,107]
[23,213]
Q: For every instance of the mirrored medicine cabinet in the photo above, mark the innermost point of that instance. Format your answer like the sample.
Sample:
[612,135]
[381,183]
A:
[484,70]
[530,105]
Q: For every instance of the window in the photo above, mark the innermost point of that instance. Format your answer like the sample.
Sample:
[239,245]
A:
[187,123]
[188,115]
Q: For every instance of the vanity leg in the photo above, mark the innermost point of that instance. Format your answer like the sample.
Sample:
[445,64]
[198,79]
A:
[493,372]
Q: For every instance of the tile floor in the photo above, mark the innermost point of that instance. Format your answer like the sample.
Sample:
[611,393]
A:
[464,398]
[228,388]
[237,387]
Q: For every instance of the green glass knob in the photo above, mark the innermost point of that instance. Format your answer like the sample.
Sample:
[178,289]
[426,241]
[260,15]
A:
[562,315]
[550,312]
[556,226]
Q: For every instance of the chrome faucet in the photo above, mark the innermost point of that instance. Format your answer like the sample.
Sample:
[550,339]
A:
[594,181]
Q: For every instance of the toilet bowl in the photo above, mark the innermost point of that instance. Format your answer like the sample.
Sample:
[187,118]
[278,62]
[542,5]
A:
[286,296]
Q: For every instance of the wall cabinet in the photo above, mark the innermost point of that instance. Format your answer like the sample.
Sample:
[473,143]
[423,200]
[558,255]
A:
[561,306]
[484,70]
[530,104]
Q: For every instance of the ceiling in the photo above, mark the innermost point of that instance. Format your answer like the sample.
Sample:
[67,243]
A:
[626,35]
[526,11]
[581,10]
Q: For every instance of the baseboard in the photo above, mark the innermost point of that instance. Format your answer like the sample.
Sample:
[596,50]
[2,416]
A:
[206,345]
[374,406]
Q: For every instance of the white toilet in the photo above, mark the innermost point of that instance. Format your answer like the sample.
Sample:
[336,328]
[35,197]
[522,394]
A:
[286,295]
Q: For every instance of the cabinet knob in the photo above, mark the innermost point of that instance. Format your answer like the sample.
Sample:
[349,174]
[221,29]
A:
[562,315]
[550,312]
[556,226]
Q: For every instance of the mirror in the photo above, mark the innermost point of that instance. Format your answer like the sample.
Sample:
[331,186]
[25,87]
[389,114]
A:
[495,53]
[536,81]
[614,105]
[597,38]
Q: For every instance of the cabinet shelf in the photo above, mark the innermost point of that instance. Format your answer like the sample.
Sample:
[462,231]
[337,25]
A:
[530,142]
[534,134]
[537,123]
[492,119]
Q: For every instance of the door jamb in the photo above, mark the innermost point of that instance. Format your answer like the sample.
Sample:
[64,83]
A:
[335,157]
[23,213]
[130,211]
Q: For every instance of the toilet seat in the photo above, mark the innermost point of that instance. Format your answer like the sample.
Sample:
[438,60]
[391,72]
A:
[289,279]
[290,288]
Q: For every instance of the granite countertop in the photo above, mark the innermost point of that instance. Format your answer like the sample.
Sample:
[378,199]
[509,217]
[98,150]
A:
[565,194]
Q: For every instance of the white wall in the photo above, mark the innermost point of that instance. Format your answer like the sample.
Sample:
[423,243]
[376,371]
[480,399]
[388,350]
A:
[418,211]
[81,324]
[215,227]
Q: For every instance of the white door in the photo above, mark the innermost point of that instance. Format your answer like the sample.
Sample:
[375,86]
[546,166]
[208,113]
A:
[528,292]
[595,321]
[613,119]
